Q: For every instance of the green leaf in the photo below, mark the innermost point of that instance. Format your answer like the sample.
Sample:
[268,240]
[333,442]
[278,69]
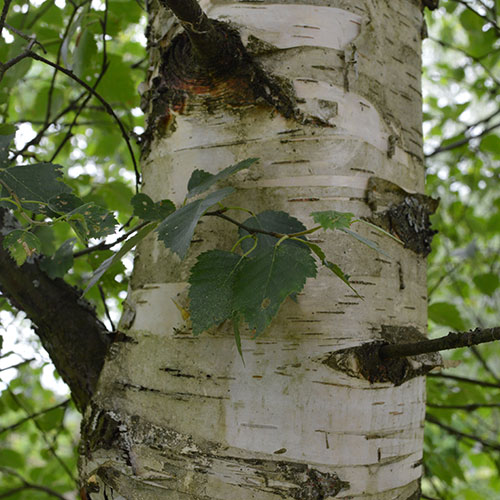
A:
[211,291]
[365,241]
[265,281]
[11,458]
[201,181]
[488,283]
[145,208]
[84,55]
[57,265]
[126,247]
[64,203]
[176,231]
[32,183]
[491,144]
[444,313]
[21,245]
[273,221]
[331,219]
[5,140]
[98,221]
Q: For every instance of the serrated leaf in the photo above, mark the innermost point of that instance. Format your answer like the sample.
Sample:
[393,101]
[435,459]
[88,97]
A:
[5,140]
[273,221]
[64,203]
[99,222]
[176,231]
[125,248]
[201,181]
[32,183]
[444,313]
[211,291]
[145,208]
[365,241]
[21,245]
[266,280]
[57,265]
[331,219]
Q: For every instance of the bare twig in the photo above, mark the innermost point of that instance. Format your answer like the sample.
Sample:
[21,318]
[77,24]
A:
[106,246]
[50,447]
[453,340]
[33,416]
[3,15]
[106,309]
[105,103]
[27,486]
[460,434]
[469,407]
[17,365]
[465,380]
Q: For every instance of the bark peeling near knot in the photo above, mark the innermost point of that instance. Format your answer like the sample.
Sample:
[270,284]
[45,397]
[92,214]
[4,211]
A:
[236,81]
[404,214]
[365,361]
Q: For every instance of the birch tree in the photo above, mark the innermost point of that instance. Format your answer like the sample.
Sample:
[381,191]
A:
[242,366]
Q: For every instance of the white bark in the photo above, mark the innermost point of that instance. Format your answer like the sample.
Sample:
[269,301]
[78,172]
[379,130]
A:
[179,417]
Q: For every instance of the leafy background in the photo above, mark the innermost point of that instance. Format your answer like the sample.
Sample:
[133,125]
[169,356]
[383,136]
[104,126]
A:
[59,121]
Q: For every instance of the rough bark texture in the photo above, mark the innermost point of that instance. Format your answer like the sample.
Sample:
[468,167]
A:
[178,417]
[66,324]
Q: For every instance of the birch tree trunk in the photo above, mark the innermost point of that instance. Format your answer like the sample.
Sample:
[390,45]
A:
[178,417]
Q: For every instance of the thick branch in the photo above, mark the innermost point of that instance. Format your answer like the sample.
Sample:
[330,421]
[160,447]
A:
[206,40]
[450,341]
[67,325]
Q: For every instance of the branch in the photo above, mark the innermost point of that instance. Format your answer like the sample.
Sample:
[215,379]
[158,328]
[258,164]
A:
[27,486]
[105,103]
[206,40]
[453,340]
[33,416]
[67,325]
[461,142]
[469,407]
[465,380]
[460,434]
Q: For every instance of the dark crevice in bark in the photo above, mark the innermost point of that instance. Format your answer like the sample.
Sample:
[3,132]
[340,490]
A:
[402,213]
[367,361]
[67,325]
[235,80]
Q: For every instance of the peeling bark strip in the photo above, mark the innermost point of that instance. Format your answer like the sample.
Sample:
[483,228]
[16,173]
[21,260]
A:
[367,361]
[407,214]
[67,325]
[129,436]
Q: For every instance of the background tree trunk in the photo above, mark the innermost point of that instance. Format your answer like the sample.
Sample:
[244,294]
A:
[179,417]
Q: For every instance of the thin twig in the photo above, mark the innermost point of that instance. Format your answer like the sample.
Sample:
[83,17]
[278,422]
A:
[460,434]
[469,407]
[6,5]
[27,485]
[465,380]
[33,416]
[106,246]
[17,365]
[24,36]
[106,309]
[106,105]
[50,447]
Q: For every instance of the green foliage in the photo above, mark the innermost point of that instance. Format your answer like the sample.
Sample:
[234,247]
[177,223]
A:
[72,135]
[462,110]
[176,231]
